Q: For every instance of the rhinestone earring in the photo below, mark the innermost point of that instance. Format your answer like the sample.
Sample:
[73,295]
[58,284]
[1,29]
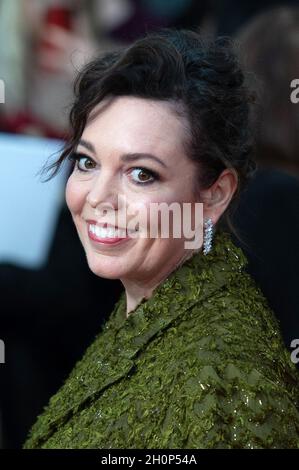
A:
[208,236]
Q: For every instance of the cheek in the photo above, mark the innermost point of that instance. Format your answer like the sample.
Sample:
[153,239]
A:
[74,195]
[149,209]
[171,217]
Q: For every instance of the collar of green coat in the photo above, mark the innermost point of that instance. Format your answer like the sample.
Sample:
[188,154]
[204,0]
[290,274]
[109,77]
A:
[111,356]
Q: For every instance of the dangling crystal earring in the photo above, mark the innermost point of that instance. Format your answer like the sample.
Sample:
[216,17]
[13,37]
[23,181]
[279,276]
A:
[208,236]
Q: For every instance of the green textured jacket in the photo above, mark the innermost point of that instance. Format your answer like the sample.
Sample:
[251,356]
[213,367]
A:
[201,364]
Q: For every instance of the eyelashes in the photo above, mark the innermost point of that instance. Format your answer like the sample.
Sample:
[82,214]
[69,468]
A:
[76,158]
[154,176]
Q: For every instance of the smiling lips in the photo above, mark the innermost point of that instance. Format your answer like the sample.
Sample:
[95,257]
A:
[105,233]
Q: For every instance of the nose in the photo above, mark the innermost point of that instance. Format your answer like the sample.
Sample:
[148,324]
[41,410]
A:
[103,193]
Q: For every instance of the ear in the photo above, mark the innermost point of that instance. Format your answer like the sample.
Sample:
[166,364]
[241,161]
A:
[218,196]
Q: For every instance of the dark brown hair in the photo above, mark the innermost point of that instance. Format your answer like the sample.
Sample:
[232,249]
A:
[202,76]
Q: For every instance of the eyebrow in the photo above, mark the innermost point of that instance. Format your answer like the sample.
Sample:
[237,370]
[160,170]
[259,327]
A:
[127,157]
[87,145]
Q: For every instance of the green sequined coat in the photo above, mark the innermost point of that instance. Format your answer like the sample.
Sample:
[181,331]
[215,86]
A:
[201,364]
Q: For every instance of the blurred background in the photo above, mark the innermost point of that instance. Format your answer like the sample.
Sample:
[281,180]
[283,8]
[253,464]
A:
[44,322]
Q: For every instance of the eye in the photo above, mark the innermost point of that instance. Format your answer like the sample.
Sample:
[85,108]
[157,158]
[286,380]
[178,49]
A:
[142,175]
[82,162]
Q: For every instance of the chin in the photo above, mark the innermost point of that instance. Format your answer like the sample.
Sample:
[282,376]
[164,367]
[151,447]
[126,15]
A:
[105,266]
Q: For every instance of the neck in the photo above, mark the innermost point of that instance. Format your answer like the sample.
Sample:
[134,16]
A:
[136,291]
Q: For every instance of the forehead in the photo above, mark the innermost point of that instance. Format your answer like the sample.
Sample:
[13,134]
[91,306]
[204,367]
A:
[136,124]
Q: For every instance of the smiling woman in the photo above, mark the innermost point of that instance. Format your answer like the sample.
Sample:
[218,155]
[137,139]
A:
[191,356]
[126,131]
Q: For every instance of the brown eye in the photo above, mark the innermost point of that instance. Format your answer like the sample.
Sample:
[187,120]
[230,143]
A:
[85,163]
[143,176]
[82,162]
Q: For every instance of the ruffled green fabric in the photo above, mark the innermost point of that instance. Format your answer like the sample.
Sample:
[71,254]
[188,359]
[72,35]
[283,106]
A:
[201,364]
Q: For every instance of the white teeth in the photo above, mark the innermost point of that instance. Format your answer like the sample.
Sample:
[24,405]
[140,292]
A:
[108,232]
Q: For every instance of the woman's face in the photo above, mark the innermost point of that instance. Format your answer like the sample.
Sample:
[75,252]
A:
[132,148]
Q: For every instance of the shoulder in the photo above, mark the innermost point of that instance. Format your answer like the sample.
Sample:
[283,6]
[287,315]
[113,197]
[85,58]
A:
[236,325]
[235,378]
[235,406]
[236,385]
